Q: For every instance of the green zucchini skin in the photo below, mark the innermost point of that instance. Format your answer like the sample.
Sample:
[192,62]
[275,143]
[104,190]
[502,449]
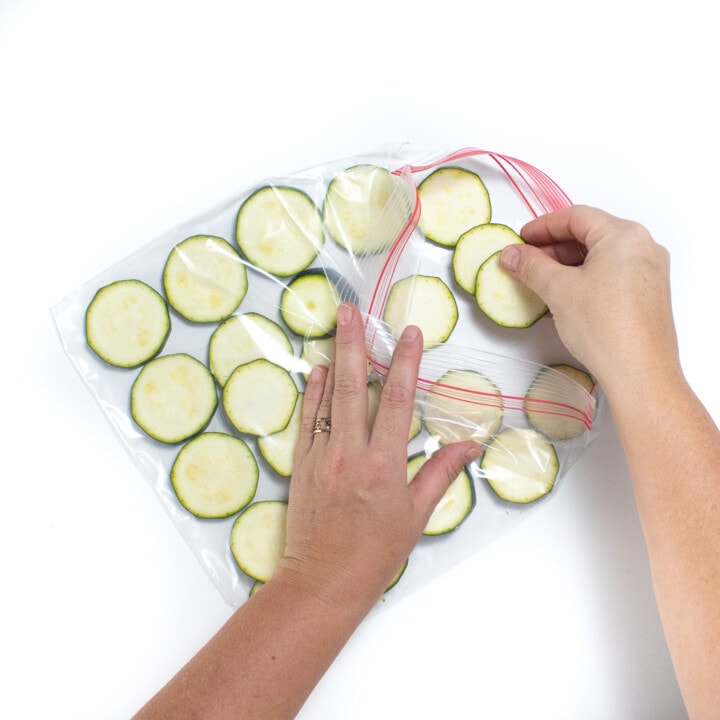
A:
[293,235]
[308,304]
[173,398]
[127,323]
[453,200]
[456,504]
[215,475]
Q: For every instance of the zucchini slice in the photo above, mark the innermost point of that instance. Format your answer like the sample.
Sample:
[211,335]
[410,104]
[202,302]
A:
[539,407]
[204,278]
[475,246]
[243,338]
[520,465]
[173,398]
[308,304]
[215,475]
[425,301]
[505,300]
[374,395]
[365,209]
[279,229]
[127,323]
[398,575]
[316,351]
[259,397]
[454,506]
[257,538]
[452,201]
[278,449]
[463,405]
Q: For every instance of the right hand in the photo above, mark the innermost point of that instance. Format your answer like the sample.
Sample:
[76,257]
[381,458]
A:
[606,283]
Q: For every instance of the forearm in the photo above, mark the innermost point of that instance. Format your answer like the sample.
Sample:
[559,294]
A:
[673,452]
[264,663]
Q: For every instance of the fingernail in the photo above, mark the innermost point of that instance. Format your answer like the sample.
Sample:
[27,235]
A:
[473,452]
[409,334]
[344,314]
[510,257]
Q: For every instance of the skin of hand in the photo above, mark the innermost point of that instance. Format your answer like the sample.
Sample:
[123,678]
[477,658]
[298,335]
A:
[606,283]
[353,519]
[352,522]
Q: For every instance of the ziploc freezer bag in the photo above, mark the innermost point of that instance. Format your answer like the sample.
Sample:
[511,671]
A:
[197,347]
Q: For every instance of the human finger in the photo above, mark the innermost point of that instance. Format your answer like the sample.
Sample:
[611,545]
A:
[349,401]
[436,475]
[536,269]
[397,399]
[312,398]
[579,223]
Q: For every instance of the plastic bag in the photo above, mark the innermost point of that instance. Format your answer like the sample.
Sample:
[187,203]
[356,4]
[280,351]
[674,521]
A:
[509,362]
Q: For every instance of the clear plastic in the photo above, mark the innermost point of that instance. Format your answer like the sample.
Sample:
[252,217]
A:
[511,359]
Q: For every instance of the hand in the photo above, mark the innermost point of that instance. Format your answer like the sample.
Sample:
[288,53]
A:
[352,517]
[606,283]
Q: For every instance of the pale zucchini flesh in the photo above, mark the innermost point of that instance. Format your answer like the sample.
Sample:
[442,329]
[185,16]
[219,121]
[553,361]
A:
[452,200]
[520,465]
[278,449]
[204,279]
[243,338]
[475,246]
[127,323]
[453,507]
[425,301]
[279,229]
[215,475]
[257,538]
[504,299]
[547,410]
[366,208]
[308,304]
[259,397]
[173,397]
[463,405]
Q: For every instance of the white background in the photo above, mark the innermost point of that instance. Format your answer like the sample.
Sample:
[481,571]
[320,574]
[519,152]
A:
[119,120]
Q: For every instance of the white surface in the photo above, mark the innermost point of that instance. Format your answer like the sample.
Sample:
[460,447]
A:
[120,120]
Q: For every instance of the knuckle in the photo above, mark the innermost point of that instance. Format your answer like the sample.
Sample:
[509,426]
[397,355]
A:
[396,394]
[347,386]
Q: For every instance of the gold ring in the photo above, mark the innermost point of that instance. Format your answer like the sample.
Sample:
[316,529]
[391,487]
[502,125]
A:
[322,425]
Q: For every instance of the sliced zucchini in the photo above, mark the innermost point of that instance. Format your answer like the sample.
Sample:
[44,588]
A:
[127,323]
[243,338]
[365,209]
[542,404]
[452,201]
[255,587]
[520,465]
[454,506]
[398,575]
[505,300]
[475,246]
[425,301]
[278,449]
[308,304]
[259,397]
[374,394]
[215,475]
[173,398]
[316,351]
[463,405]
[257,538]
[204,278]
[279,229]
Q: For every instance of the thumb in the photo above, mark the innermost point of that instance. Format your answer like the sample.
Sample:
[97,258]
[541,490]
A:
[532,267]
[438,472]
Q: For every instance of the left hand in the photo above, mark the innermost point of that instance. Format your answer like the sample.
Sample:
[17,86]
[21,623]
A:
[353,519]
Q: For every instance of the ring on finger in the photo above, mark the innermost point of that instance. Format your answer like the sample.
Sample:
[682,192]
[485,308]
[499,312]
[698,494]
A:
[322,425]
